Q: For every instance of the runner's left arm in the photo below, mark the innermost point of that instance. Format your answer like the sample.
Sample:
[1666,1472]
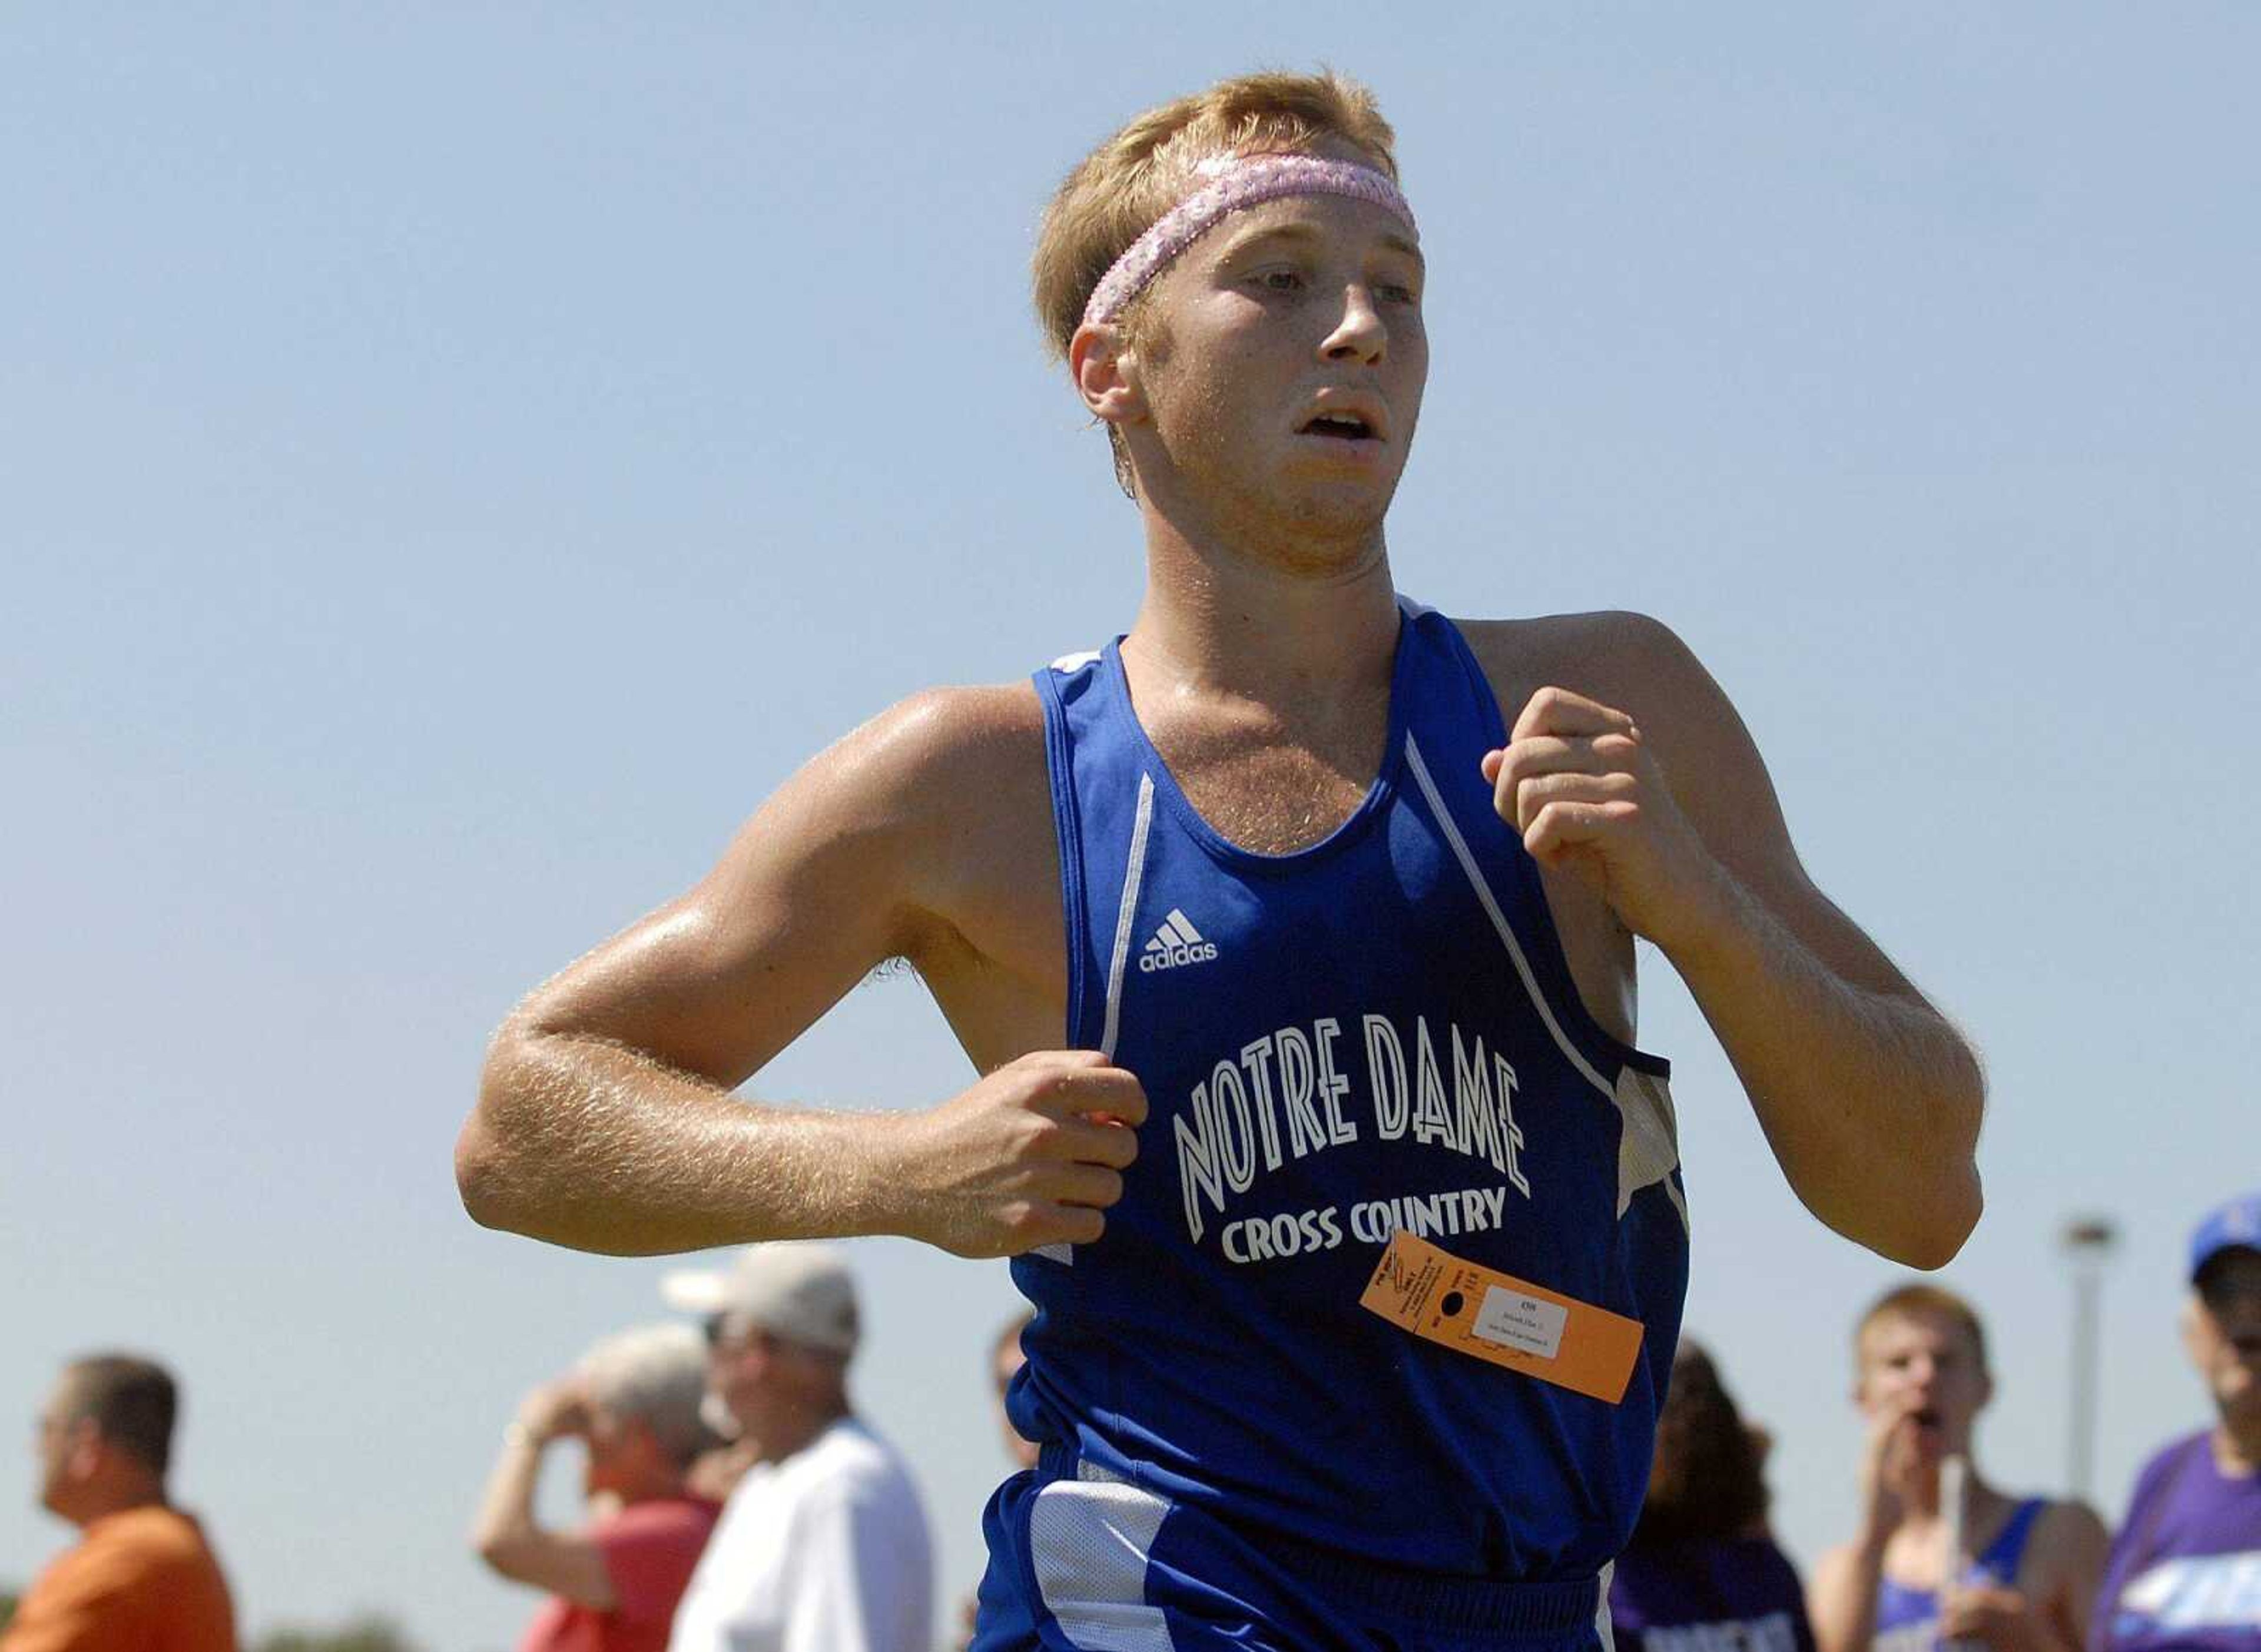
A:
[1657,797]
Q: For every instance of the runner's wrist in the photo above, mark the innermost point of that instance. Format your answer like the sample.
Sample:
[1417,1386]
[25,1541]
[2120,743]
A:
[883,1159]
[1710,920]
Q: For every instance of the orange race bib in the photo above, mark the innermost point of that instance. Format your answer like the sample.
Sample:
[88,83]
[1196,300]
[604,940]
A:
[1508,1321]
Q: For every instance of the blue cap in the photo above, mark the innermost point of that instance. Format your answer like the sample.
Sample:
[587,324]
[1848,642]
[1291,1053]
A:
[2234,1224]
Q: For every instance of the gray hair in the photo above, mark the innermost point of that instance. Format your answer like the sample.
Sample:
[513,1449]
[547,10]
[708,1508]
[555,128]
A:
[656,1374]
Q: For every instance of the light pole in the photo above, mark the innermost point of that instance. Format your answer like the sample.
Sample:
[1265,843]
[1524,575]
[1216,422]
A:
[2087,1241]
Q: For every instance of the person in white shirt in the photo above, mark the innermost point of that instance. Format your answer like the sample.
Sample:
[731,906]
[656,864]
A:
[823,1545]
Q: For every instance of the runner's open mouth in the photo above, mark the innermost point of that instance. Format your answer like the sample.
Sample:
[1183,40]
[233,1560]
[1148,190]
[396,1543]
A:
[1342,426]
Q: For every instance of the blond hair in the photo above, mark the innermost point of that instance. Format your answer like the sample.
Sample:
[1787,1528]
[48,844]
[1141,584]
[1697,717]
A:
[1918,1301]
[1117,191]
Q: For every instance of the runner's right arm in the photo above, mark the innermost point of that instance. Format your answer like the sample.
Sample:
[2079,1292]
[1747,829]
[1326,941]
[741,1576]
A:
[604,1120]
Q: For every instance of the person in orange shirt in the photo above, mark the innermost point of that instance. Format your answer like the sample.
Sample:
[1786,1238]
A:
[142,1578]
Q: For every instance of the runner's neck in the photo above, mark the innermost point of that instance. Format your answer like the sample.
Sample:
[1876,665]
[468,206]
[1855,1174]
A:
[1269,636]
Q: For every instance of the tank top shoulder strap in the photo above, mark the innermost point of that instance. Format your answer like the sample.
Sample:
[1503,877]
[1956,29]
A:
[1455,718]
[1092,767]
[1452,685]
[2007,1552]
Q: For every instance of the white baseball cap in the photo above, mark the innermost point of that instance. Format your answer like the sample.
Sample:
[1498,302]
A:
[794,1291]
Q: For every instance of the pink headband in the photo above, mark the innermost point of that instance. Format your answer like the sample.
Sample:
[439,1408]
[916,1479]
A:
[1236,183]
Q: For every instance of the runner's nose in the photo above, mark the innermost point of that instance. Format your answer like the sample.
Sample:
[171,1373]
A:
[1360,334]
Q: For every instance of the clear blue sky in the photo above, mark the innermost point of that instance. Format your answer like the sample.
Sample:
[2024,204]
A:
[454,461]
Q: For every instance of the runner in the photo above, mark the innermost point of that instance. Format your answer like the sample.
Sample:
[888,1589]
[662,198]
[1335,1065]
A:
[2027,1567]
[1292,936]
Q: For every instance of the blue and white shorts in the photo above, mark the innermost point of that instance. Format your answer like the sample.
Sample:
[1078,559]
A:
[1080,1561]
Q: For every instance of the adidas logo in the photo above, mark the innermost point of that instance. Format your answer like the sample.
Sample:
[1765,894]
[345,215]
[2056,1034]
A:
[1177,942]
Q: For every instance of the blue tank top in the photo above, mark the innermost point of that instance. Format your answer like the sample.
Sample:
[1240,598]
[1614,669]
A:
[1374,1032]
[1908,1619]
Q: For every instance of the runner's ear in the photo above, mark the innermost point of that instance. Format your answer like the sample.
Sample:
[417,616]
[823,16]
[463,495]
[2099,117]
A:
[1105,367]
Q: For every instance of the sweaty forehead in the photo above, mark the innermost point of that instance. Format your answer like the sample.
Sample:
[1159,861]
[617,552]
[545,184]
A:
[1303,190]
[1328,220]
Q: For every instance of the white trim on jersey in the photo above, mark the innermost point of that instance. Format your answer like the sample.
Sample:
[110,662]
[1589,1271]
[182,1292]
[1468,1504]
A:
[1648,1144]
[1459,844]
[1133,875]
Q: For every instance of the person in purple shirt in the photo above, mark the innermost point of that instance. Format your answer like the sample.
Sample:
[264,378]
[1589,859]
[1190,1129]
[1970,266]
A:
[2186,1568]
[1701,1573]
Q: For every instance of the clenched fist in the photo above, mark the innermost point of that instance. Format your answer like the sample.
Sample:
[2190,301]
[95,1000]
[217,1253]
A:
[1029,1156]
[1576,781]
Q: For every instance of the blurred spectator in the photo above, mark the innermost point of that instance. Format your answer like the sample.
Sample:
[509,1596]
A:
[1005,1359]
[719,1469]
[1701,1573]
[822,1547]
[143,1574]
[2185,1569]
[2028,1571]
[633,1402]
